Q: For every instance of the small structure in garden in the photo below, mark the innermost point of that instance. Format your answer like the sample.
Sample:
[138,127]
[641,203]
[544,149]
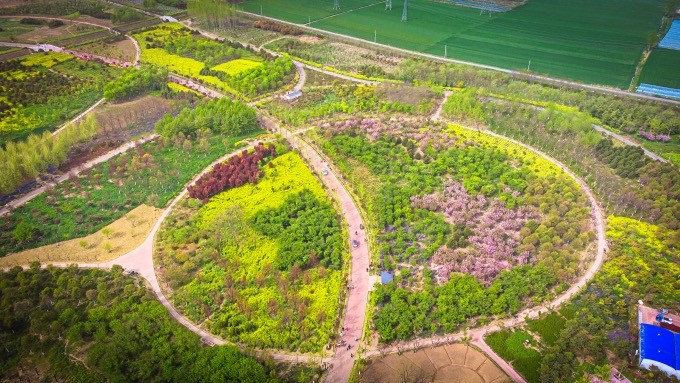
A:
[659,340]
[386,277]
[291,96]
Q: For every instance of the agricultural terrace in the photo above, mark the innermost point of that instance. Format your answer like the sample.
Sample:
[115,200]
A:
[43,90]
[261,263]
[153,173]
[593,42]
[471,227]
[224,66]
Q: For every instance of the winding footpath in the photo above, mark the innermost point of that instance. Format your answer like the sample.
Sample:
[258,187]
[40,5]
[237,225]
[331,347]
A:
[140,260]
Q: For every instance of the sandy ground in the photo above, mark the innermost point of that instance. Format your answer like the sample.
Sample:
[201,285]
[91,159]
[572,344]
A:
[455,363]
[126,234]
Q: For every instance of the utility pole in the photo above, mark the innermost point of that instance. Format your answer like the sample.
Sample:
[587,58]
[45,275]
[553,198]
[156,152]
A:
[404,17]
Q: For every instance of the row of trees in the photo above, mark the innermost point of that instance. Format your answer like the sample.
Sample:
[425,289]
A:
[59,8]
[207,51]
[133,83]
[263,78]
[25,160]
[216,13]
[627,114]
[222,115]
[235,172]
[96,326]
[445,308]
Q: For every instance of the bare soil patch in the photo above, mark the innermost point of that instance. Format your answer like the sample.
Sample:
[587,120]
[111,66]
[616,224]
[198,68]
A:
[116,239]
[457,363]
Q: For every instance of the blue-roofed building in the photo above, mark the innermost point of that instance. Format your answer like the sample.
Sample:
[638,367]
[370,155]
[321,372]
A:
[672,38]
[386,277]
[659,346]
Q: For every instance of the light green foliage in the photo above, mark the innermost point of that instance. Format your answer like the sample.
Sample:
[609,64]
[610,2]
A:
[27,159]
[237,66]
[134,82]
[221,260]
[641,265]
[152,173]
[389,169]
[548,327]
[232,118]
[580,40]
[510,345]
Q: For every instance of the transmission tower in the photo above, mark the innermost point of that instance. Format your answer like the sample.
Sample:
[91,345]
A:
[336,4]
[388,5]
[404,18]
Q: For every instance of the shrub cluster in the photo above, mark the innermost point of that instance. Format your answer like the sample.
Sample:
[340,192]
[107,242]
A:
[135,82]
[235,172]
[217,116]
[277,27]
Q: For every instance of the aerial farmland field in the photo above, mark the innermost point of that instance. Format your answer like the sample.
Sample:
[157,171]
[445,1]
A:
[594,42]
[662,68]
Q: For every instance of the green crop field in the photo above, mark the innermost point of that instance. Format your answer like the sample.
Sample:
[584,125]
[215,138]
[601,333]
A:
[662,68]
[590,41]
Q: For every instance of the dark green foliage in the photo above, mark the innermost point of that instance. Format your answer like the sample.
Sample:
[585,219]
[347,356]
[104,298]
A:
[510,346]
[548,327]
[405,314]
[134,82]
[117,329]
[625,160]
[93,8]
[207,51]
[307,229]
[223,116]
[125,14]
[262,78]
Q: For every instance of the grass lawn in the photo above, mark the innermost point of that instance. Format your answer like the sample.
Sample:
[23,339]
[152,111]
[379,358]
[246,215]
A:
[594,42]
[548,327]
[662,68]
[509,345]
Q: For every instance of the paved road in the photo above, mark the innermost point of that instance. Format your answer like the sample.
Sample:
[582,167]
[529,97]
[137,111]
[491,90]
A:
[489,67]
[342,361]
[75,171]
